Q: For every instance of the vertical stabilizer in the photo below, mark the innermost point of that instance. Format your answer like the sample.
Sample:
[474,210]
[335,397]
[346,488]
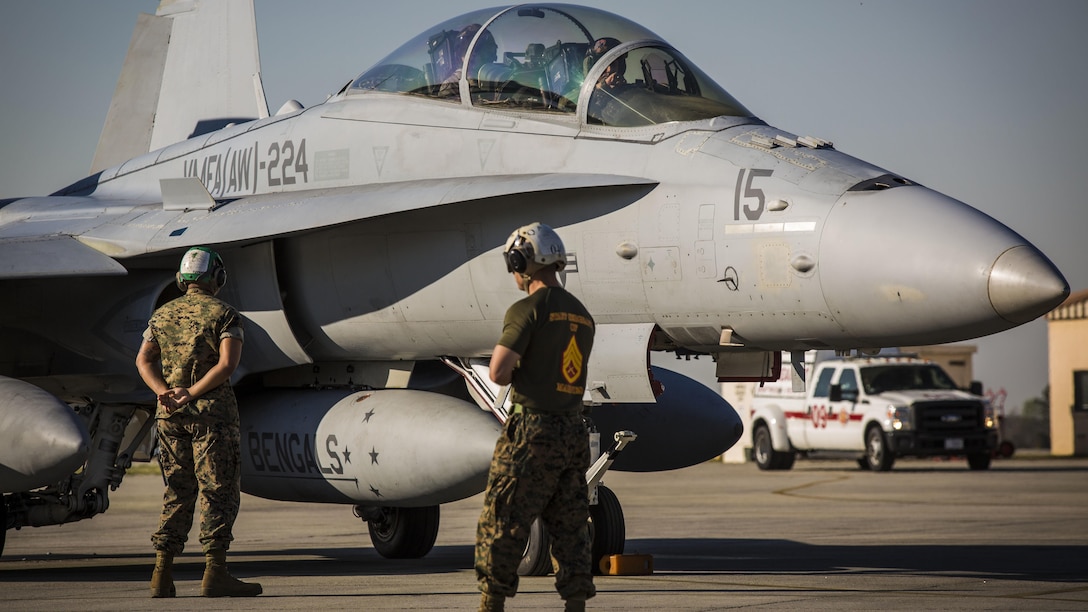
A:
[127,131]
[191,68]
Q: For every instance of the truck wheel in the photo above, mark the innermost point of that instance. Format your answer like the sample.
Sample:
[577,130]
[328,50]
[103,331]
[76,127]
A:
[785,460]
[766,457]
[877,453]
[979,461]
[1006,449]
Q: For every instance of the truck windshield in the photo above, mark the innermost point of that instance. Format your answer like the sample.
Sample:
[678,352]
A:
[878,379]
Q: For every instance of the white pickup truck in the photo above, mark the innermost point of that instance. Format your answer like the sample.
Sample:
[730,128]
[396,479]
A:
[873,408]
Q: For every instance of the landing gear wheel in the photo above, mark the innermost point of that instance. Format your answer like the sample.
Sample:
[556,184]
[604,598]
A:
[607,528]
[877,453]
[404,533]
[766,457]
[979,461]
[537,560]
[3,521]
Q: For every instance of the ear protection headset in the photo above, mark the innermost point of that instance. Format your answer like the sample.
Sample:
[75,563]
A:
[201,265]
[534,247]
[519,255]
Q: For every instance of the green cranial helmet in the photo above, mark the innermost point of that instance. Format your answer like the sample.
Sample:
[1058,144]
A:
[534,247]
[202,265]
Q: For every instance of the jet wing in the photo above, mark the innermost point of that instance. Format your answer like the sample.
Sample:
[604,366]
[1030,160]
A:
[52,256]
[49,239]
[272,215]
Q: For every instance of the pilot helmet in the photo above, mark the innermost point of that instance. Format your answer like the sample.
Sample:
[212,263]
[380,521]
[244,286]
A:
[485,51]
[596,50]
[204,266]
[532,248]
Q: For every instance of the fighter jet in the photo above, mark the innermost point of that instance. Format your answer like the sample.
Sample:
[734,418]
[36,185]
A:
[363,238]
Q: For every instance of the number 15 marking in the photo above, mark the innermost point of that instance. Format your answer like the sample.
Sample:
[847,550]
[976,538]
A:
[750,213]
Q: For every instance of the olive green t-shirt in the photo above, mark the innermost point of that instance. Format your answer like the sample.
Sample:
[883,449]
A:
[553,333]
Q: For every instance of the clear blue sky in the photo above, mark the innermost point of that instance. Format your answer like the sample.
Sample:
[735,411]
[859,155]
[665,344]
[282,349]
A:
[983,100]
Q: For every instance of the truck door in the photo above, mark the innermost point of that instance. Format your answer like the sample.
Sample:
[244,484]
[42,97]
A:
[844,417]
[807,429]
[829,422]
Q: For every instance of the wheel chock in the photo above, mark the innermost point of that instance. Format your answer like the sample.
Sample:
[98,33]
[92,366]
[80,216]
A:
[627,565]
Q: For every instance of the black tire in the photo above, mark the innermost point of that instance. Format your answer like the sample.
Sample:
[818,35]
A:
[766,457]
[3,522]
[405,533]
[863,463]
[607,528]
[785,460]
[979,461]
[877,454]
[537,560]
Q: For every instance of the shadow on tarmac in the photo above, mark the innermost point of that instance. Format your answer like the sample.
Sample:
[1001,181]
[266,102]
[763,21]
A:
[748,556]
[937,465]
[739,557]
[243,564]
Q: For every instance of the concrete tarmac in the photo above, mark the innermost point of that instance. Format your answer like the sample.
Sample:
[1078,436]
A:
[929,535]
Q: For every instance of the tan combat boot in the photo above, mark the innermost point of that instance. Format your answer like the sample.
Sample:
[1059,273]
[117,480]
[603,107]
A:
[219,583]
[492,603]
[162,579]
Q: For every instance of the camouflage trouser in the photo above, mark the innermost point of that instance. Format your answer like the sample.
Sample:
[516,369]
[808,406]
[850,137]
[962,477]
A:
[538,469]
[201,460]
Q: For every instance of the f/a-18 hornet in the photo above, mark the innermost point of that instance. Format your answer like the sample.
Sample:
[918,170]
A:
[363,237]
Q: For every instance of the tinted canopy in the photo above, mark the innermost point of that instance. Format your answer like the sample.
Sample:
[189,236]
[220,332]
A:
[552,58]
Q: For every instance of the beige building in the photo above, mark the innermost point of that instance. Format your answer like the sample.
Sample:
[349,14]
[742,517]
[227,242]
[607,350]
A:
[1067,335]
[956,359]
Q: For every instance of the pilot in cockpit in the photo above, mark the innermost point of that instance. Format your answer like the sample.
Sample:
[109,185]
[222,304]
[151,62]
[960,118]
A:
[485,53]
[612,77]
[605,105]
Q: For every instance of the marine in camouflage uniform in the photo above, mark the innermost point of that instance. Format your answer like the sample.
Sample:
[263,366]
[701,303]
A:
[200,443]
[540,460]
[190,348]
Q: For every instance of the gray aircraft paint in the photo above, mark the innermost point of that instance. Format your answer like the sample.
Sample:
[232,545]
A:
[366,231]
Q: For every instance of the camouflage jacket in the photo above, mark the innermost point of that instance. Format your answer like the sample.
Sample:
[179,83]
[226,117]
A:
[188,331]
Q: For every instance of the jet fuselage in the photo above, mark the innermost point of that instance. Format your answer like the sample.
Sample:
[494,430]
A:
[695,229]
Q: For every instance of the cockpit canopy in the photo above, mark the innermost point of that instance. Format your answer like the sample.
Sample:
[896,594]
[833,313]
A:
[550,58]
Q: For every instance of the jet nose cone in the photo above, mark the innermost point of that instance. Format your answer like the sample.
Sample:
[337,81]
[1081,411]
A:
[1024,284]
[911,266]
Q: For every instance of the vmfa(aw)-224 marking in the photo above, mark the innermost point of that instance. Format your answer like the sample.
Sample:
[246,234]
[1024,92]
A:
[238,171]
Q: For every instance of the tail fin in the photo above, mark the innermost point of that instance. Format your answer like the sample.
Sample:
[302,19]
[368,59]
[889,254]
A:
[191,68]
